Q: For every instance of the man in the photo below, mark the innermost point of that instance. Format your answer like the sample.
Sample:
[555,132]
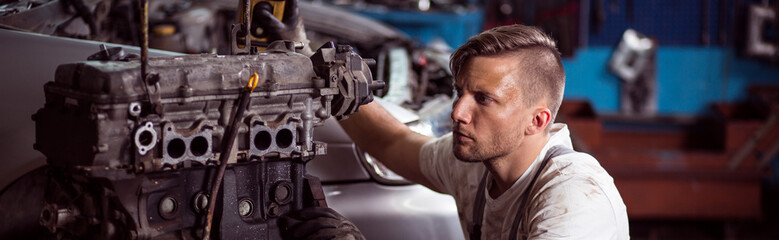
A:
[504,145]
[509,84]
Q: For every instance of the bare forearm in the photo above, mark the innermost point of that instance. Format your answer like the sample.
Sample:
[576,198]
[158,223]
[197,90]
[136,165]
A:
[377,132]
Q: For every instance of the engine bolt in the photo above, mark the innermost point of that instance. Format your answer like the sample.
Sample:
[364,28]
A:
[201,202]
[273,210]
[245,207]
[168,206]
[283,192]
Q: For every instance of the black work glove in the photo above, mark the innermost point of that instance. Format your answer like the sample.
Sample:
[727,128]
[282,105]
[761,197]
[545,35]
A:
[318,223]
[290,28]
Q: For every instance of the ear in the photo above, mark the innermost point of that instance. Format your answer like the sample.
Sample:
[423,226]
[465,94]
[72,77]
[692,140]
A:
[541,118]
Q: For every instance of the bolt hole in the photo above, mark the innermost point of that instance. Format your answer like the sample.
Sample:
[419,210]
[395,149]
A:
[146,138]
[46,215]
[199,146]
[284,138]
[176,148]
[262,140]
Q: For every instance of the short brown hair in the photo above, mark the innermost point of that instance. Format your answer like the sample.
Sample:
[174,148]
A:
[537,51]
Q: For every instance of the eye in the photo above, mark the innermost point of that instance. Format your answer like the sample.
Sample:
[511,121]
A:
[481,98]
[458,92]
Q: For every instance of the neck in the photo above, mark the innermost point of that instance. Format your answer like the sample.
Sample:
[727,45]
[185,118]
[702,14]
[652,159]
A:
[507,169]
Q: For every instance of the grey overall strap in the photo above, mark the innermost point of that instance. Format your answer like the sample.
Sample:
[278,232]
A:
[478,209]
[478,204]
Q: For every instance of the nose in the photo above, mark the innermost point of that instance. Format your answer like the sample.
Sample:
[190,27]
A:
[461,112]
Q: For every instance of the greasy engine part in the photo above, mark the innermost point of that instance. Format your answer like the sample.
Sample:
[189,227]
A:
[187,29]
[177,25]
[71,18]
[119,170]
[257,35]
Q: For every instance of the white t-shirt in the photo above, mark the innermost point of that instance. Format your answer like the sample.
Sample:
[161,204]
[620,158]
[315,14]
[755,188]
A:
[573,198]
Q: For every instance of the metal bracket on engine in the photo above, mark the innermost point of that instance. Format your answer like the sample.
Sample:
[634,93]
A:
[145,138]
[349,73]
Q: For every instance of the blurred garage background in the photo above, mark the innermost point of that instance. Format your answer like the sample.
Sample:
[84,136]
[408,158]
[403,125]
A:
[678,100]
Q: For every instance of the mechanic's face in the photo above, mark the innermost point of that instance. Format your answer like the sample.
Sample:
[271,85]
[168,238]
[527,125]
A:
[489,115]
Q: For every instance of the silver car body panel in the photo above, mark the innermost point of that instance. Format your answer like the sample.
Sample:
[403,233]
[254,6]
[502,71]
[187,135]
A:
[396,212]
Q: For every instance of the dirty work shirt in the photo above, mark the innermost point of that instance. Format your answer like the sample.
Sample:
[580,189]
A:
[573,198]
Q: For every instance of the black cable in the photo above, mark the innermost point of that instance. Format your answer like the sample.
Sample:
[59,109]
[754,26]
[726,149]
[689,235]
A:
[227,146]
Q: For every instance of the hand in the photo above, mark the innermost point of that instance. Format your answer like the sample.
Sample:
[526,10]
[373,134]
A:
[318,223]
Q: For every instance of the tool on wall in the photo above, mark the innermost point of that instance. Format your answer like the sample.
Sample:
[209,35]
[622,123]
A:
[633,61]
[756,43]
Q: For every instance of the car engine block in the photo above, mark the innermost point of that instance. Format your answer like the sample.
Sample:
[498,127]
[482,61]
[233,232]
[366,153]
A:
[130,159]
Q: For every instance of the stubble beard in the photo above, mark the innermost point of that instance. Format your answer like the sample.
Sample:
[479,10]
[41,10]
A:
[473,151]
[468,154]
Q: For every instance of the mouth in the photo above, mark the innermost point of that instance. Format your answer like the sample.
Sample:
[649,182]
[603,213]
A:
[461,137]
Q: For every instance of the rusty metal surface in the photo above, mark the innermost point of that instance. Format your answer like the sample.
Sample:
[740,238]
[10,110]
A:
[690,198]
[668,168]
[678,184]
